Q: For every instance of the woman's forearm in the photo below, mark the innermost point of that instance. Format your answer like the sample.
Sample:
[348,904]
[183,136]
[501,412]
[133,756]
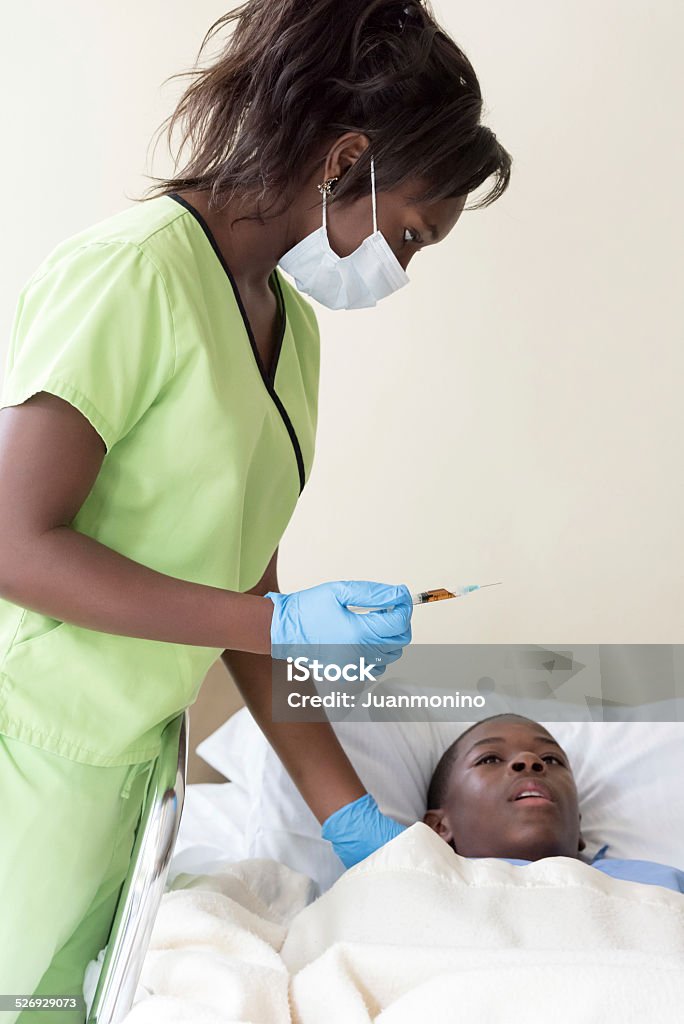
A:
[70,576]
[310,751]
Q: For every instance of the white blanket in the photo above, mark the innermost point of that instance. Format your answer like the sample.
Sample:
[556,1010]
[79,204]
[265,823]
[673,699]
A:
[415,932]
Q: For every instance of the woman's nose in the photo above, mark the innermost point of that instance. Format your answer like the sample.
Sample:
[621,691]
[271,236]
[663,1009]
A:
[527,761]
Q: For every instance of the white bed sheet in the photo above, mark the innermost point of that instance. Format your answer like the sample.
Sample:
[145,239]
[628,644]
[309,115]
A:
[415,931]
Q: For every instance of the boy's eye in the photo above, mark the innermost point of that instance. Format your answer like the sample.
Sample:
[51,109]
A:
[553,758]
[488,758]
[414,236]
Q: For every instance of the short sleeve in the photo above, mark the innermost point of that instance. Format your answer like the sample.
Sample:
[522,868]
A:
[95,328]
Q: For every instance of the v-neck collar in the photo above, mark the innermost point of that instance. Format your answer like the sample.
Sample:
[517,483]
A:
[269,374]
[267,377]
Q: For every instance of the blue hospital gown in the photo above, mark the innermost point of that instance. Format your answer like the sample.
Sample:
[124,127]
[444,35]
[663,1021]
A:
[647,872]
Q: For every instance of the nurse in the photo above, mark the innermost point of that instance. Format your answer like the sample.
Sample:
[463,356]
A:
[157,424]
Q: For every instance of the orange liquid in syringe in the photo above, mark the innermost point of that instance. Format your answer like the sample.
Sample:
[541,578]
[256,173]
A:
[435,595]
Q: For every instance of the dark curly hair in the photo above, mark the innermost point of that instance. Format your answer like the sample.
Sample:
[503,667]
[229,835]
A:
[296,74]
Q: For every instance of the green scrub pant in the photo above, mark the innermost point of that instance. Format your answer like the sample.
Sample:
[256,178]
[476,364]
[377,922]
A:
[66,837]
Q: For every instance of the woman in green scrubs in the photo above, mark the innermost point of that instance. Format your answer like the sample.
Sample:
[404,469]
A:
[157,426]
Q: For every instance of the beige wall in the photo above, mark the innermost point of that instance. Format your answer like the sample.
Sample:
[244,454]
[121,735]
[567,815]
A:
[515,412]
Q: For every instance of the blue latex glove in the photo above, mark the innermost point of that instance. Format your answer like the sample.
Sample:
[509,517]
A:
[319,616]
[359,829]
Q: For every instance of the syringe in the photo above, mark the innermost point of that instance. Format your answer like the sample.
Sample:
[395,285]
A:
[428,596]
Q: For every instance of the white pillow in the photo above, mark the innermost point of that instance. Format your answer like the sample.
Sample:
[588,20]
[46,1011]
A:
[628,777]
[232,749]
[212,828]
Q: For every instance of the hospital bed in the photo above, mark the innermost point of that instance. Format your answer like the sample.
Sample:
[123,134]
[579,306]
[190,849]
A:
[275,829]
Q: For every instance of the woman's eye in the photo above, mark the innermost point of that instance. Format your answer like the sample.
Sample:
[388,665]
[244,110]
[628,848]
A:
[488,757]
[415,237]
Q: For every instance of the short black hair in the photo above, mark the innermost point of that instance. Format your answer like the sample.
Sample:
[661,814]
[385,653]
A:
[439,783]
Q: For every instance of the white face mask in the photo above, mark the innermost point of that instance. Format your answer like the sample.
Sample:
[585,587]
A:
[368,274]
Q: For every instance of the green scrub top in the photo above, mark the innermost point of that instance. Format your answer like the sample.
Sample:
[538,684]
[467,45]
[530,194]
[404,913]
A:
[138,323]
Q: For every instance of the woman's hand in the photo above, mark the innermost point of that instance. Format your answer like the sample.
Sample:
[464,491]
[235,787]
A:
[320,616]
[359,829]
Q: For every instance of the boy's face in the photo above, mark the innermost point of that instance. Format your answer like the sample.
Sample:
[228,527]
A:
[486,813]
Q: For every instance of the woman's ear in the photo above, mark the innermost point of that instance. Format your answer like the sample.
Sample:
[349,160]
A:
[438,823]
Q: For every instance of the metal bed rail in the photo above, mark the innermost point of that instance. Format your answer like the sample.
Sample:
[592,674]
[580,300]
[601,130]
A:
[144,885]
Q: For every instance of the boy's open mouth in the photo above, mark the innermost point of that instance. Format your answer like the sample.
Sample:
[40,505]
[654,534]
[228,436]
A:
[533,791]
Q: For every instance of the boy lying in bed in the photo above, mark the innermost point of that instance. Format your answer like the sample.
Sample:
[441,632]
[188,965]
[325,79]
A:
[503,789]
